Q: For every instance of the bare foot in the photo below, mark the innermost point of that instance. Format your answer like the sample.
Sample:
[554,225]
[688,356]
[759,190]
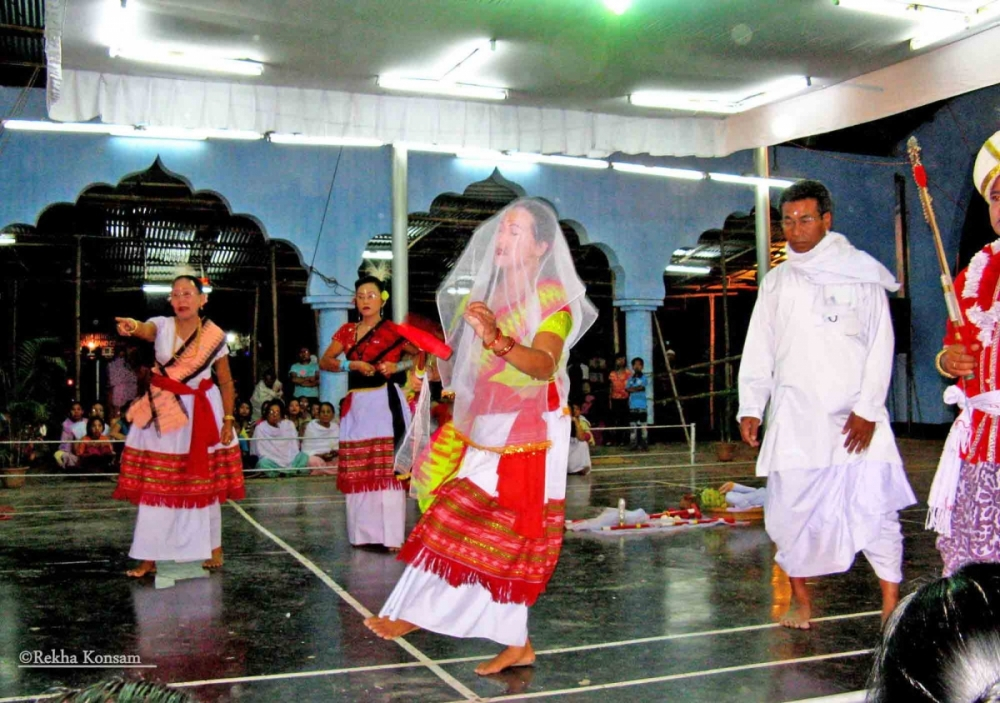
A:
[215,562]
[145,567]
[389,629]
[393,550]
[796,618]
[512,656]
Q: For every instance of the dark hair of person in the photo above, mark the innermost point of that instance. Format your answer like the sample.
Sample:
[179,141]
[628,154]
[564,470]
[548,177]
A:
[186,277]
[328,405]
[942,643]
[369,279]
[806,189]
[91,421]
[639,359]
[267,408]
[540,211]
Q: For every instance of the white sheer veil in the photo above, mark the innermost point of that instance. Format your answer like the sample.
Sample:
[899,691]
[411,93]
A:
[541,286]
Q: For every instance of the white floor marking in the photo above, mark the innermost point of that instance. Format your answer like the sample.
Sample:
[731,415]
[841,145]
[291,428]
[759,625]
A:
[466,693]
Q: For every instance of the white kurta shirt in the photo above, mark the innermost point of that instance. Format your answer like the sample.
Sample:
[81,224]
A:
[817,353]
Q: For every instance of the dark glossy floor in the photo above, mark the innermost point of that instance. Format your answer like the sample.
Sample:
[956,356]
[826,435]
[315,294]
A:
[634,617]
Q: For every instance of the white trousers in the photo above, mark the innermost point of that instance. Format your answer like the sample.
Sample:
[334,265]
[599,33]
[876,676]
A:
[376,517]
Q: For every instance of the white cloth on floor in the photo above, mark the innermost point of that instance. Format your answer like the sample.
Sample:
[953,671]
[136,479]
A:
[176,534]
[608,518]
[821,519]
[376,517]
[743,497]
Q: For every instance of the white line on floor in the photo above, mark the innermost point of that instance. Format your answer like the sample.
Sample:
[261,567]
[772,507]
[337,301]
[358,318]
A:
[466,693]
[463,660]
[686,675]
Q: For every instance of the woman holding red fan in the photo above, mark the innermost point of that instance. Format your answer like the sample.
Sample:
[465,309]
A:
[374,418]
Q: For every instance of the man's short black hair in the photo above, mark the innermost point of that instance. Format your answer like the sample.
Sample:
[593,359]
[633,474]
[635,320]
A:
[806,189]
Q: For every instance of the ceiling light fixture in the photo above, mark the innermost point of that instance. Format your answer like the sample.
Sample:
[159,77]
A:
[720,103]
[697,254]
[681,269]
[555,160]
[913,12]
[377,255]
[682,173]
[750,180]
[432,87]
[279,138]
[7,239]
[183,59]
[160,288]
[233,134]
[618,6]
[143,132]
[64,127]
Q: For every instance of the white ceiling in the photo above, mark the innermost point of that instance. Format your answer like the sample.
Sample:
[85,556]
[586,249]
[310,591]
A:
[570,54]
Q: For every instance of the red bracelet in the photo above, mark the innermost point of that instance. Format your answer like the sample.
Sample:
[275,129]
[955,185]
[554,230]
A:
[510,345]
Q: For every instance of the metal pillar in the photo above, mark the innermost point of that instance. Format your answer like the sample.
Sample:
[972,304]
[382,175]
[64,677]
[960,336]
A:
[400,243]
[762,205]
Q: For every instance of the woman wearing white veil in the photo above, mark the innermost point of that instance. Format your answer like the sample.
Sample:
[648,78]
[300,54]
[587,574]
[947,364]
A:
[486,547]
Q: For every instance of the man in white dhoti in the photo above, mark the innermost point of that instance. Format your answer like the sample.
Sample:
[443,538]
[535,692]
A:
[820,350]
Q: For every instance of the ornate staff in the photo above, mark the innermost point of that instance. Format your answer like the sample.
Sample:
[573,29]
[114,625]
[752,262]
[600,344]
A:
[947,282]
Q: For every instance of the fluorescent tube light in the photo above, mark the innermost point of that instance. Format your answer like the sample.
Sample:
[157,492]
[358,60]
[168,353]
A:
[618,6]
[181,59]
[693,254]
[556,160]
[750,180]
[7,239]
[913,12]
[279,138]
[432,87]
[158,133]
[720,103]
[233,134]
[377,255]
[65,127]
[682,269]
[682,173]
[165,288]
[458,291]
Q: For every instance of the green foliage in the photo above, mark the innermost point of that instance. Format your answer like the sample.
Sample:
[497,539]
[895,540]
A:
[28,392]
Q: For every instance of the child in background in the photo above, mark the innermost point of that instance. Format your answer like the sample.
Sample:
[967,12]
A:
[636,387]
[94,451]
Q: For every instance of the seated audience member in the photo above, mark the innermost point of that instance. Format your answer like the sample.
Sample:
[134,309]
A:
[267,390]
[296,416]
[118,426]
[321,441]
[94,451]
[276,443]
[581,439]
[313,408]
[74,428]
[244,427]
[942,643]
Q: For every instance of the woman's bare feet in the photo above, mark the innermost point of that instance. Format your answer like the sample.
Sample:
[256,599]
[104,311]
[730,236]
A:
[512,656]
[215,562]
[144,568]
[389,629]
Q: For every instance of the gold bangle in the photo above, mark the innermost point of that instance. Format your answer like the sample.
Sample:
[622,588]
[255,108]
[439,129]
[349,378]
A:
[229,417]
[939,366]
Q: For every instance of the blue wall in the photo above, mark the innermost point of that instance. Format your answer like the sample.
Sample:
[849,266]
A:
[640,220]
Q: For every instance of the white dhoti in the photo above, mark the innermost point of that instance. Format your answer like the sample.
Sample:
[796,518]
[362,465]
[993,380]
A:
[821,518]
[376,517]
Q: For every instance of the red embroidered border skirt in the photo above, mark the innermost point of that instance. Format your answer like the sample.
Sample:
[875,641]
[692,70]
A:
[157,478]
[466,537]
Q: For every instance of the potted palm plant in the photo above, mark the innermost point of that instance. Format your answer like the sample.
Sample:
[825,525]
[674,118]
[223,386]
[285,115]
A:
[27,390]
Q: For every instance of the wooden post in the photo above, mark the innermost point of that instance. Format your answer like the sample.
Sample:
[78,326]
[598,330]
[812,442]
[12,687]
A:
[673,381]
[256,320]
[725,424]
[76,337]
[711,360]
[274,307]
